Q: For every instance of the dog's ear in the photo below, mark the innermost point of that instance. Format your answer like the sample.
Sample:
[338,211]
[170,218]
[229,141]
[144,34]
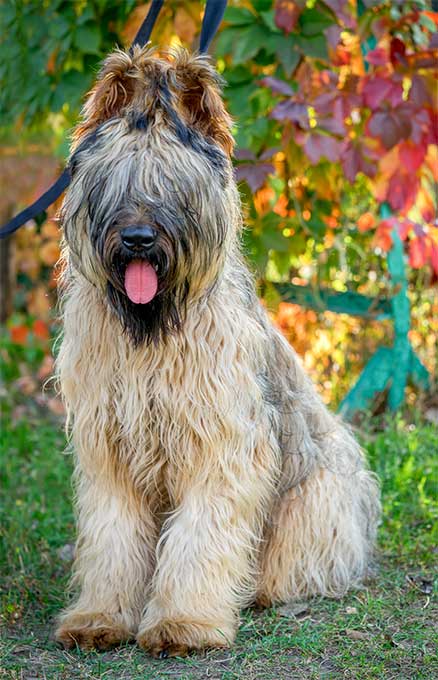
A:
[113,90]
[200,99]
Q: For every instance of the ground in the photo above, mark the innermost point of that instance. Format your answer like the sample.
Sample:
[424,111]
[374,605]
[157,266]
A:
[386,630]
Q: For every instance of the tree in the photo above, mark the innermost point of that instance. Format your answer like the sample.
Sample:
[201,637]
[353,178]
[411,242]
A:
[327,133]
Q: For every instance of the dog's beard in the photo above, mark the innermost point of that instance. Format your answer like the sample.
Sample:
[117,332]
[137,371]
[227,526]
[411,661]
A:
[163,314]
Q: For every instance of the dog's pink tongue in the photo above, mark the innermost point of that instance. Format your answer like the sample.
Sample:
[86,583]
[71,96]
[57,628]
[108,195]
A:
[141,282]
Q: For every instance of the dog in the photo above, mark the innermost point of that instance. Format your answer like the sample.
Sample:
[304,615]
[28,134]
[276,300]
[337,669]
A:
[209,474]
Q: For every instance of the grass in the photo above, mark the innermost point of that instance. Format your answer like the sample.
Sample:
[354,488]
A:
[385,630]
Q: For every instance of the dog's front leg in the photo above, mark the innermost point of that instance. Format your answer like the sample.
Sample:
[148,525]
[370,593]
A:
[113,564]
[205,566]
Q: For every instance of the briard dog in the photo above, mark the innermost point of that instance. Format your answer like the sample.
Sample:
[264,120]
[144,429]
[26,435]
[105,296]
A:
[209,474]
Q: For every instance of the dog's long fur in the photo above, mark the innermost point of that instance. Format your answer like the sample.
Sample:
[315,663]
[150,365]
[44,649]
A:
[209,473]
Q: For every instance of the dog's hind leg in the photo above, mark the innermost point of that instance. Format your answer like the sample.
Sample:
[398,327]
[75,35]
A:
[321,535]
[112,567]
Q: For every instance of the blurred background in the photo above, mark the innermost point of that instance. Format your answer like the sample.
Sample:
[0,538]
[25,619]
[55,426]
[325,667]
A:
[335,110]
[336,123]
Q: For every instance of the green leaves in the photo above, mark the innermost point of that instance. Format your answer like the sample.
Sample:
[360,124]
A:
[238,16]
[49,55]
[289,53]
[314,22]
[87,39]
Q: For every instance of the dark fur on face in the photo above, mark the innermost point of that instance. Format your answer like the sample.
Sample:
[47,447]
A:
[153,148]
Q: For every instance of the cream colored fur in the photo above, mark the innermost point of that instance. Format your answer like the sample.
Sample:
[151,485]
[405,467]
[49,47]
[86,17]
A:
[209,473]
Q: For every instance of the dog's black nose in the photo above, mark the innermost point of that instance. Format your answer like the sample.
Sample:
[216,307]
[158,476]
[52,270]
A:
[138,237]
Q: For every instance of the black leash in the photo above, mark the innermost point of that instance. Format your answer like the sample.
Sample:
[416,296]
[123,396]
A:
[214,11]
[145,30]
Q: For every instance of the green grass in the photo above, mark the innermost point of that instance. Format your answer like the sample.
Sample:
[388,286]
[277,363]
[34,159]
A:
[385,630]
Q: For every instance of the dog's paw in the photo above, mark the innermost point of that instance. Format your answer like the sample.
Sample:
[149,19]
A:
[91,631]
[263,601]
[179,638]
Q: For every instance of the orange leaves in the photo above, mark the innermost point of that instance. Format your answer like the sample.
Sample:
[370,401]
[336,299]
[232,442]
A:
[20,332]
[417,253]
[425,205]
[40,329]
[423,248]
[383,238]
[322,339]
[49,253]
[38,301]
[182,22]
[185,25]
[366,222]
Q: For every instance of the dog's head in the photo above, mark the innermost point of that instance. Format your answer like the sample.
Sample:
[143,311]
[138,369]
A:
[152,209]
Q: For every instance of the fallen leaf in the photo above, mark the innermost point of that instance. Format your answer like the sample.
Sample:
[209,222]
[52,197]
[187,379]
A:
[293,609]
[356,634]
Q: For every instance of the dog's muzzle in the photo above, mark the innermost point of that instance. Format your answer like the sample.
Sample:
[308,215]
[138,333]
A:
[141,280]
[139,238]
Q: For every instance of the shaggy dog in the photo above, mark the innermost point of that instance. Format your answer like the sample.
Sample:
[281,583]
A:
[209,474]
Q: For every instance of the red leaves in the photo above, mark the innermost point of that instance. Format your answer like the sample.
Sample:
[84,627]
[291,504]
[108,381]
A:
[397,52]
[377,89]
[317,146]
[434,256]
[287,13]
[411,155]
[421,242]
[401,123]
[418,94]
[355,160]
[377,57]
[390,127]
[342,11]
[293,111]
[417,253]
[254,172]
[339,122]
[277,86]
[402,190]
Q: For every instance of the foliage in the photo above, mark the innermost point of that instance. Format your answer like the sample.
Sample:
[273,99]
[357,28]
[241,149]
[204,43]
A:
[328,130]
[323,137]
[50,57]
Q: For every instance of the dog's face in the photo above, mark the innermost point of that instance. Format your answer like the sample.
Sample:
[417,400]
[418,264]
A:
[152,207]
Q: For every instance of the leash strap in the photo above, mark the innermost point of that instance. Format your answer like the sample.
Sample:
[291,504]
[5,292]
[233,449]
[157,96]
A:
[145,30]
[214,11]
[41,204]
